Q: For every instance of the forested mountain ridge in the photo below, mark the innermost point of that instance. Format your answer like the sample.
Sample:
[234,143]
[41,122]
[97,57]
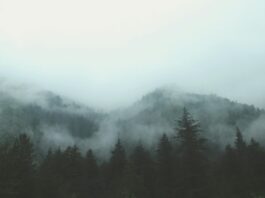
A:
[165,145]
[178,167]
[46,114]
[157,112]
[53,120]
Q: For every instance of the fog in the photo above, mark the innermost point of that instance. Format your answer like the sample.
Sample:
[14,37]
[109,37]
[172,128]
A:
[107,54]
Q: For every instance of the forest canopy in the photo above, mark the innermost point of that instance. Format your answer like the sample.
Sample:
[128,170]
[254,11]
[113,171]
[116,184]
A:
[184,165]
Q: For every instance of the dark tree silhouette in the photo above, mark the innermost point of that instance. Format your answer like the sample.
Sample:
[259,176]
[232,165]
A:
[143,168]
[91,185]
[116,170]
[175,169]
[193,163]
[17,169]
[165,168]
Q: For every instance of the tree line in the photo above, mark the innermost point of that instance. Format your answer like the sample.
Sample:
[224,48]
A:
[181,166]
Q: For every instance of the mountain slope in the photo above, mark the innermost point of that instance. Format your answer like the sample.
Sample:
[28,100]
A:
[47,118]
[157,112]
[54,121]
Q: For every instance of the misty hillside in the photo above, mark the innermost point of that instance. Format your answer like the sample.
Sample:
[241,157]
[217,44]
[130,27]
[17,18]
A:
[46,117]
[156,113]
[52,120]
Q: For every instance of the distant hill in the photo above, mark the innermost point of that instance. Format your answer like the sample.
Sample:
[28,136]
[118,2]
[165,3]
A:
[157,112]
[46,117]
[54,121]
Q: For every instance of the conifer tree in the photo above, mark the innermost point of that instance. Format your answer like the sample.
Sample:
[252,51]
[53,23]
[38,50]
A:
[116,171]
[22,167]
[256,157]
[228,175]
[242,183]
[7,184]
[118,160]
[91,185]
[143,167]
[48,177]
[72,170]
[193,177]
[240,143]
[165,168]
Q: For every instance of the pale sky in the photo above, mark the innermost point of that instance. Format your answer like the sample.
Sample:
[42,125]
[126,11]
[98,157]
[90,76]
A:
[108,53]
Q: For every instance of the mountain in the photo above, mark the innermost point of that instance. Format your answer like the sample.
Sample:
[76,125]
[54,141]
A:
[52,120]
[157,112]
[49,119]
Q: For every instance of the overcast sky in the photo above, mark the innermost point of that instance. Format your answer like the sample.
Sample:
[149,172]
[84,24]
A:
[108,53]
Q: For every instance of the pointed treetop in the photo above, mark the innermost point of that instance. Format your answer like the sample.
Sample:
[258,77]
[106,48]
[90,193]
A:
[187,124]
[240,143]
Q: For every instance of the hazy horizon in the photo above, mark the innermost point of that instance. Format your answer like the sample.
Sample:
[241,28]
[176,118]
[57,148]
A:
[108,54]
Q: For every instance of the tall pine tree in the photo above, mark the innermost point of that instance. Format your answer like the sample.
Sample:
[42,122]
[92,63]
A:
[193,163]
[165,168]
[116,171]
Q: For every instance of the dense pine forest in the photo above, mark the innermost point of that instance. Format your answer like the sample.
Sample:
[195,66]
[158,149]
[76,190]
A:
[182,165]
[132,99]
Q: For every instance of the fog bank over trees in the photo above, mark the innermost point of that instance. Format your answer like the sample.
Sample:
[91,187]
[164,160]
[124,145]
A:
[55,121]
